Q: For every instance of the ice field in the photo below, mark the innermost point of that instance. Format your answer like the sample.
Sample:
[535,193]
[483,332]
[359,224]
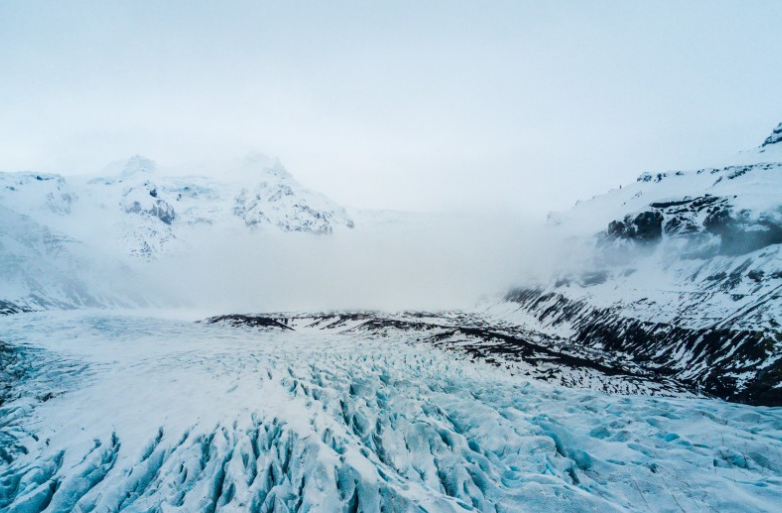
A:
[129,412]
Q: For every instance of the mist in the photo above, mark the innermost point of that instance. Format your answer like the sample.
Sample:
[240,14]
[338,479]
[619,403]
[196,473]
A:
[449,263]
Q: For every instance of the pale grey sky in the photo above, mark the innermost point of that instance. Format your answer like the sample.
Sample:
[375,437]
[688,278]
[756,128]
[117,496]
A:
[416,105]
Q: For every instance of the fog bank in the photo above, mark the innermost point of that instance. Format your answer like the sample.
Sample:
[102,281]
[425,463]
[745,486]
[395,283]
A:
[448,262]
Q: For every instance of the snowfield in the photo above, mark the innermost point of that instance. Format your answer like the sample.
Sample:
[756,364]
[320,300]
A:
[130,412]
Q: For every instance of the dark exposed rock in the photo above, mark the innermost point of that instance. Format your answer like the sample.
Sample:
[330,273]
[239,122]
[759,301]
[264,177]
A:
[253,321]
[159,209]
[645,227]
[775,137]
[649,177]
[738,233]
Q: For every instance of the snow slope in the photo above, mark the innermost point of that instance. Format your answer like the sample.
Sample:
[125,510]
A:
[42,269]
[159,414]
[680,271]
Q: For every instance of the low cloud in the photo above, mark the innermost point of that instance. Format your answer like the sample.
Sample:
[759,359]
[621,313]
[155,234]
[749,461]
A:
[427,263]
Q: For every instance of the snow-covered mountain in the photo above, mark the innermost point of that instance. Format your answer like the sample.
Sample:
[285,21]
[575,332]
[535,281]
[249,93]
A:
[58,231]
[680,272]
[149,212]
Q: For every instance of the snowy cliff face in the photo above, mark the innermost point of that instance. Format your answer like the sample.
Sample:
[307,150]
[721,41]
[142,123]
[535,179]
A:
[133,213]
[683,275]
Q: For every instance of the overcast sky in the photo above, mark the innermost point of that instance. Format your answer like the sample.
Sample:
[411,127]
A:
[419,105]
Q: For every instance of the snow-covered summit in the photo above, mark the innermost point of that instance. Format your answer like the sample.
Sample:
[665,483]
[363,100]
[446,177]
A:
[774,138]
[260,165]
[125,168]
[138,164]
[770,150]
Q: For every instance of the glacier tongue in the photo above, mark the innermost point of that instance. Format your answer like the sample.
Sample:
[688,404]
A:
[160,414]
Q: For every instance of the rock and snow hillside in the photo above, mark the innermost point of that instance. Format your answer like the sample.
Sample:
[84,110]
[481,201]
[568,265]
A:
[682,275]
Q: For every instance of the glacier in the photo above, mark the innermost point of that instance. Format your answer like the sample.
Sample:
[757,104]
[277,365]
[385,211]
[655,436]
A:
[154,412]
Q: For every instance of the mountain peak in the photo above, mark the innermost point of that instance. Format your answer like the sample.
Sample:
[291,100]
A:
[259,163]
[774,138]
[138,164]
